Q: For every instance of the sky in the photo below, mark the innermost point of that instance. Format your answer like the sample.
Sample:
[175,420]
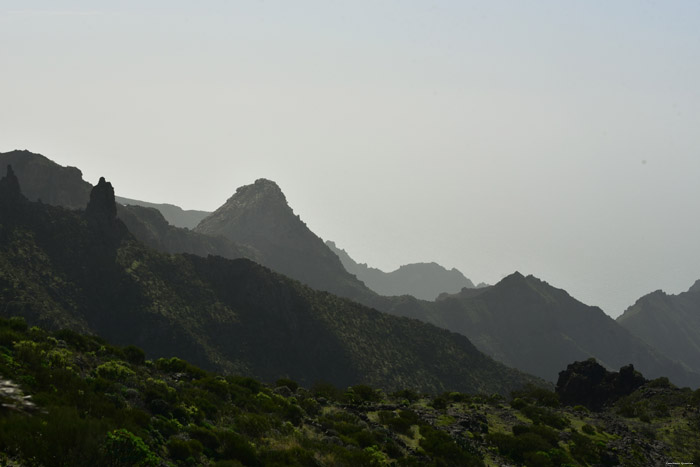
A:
[559,139]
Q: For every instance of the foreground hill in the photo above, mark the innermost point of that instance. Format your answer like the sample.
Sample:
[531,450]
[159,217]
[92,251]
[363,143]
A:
[72,399]
[85,271]
[671,323]
[425,281]
[528,324]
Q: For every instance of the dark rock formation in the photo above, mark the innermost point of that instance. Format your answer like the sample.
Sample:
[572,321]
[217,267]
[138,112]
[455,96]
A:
[589,384]
[102,205]
[9,187]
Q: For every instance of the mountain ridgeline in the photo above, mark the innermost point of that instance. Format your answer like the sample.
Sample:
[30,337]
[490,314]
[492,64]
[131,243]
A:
[425,281]
[85,271]
[670,323]
[521,321]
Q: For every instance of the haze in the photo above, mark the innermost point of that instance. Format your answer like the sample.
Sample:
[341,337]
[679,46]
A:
[559,139]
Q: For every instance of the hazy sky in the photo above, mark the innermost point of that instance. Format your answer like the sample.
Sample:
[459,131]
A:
[560,139]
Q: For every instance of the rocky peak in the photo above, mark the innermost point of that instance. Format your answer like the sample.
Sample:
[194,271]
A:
[102,205]
[9,186]
[589,384]
[262,191]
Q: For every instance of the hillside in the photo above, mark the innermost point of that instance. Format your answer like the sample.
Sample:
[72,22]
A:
[425,281]
[85,271]
[528,324]
[671,323]
[72,399]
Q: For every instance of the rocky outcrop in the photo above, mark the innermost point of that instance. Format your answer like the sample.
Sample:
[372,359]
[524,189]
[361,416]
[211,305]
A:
[102,205]
[10,191]
[589,384]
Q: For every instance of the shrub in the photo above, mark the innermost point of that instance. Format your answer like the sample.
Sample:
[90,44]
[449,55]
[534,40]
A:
[124,449]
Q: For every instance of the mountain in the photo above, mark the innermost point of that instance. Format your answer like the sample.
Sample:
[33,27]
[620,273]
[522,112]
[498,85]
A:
[533,327]
[258,216]
[153,224]
[425,281]
[528,324]
[174,215]
[44,180]
[85,271]
[671,323]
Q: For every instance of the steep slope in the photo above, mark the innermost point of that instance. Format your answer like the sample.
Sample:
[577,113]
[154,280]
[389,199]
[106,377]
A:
[671,323]
[528,324]
[174,215]
[258,216]
[86,271]
[425,281]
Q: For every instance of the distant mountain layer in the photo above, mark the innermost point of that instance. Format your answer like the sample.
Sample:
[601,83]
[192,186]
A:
[671,323]
[528,324]
[175,215]
[425,281]
[85,271]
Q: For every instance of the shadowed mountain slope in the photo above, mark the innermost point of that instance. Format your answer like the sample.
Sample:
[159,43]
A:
[528,324]
[425,281]
[671,323]
[84,270]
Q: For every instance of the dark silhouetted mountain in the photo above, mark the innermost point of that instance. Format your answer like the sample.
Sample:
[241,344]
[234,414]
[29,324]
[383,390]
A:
[258,216]
[670,323]
[528,324]
[43,179]
[425,281]
[174,215]
[63,268]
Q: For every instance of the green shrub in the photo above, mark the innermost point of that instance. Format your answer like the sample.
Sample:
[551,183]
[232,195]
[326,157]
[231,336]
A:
[124,449]
[115,371]
[588,429]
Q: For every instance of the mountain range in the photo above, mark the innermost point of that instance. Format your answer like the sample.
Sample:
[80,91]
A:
[84,270]
[425,281]
[521,321]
